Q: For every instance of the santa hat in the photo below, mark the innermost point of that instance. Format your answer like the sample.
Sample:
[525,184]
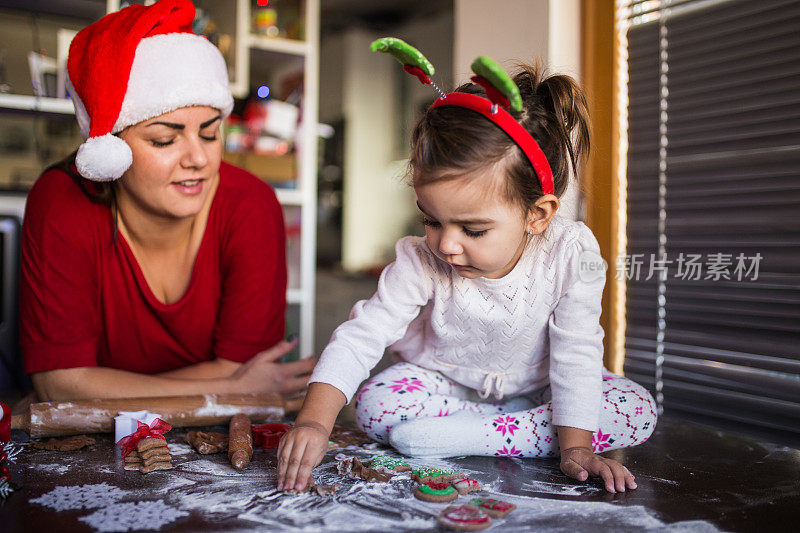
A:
[133,65]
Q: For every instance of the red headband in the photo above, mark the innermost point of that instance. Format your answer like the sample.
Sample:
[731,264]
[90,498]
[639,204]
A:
[511,127]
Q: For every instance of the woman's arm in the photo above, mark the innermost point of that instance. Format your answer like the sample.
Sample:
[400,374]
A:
[259,375]
[219,367]
[98,382]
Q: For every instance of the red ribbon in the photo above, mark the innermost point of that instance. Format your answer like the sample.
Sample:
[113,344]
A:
[5,424]
[419,73]
[155,430]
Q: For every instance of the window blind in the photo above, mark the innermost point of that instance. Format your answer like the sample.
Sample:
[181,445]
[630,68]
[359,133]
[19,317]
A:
[712,263]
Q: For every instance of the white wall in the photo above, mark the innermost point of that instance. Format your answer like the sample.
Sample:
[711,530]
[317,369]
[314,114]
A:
[378,205]
[526,30]
[369,87]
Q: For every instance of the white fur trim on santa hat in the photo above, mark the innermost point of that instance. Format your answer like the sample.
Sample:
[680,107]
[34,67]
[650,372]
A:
[103,158]
[84,124]
[171,71]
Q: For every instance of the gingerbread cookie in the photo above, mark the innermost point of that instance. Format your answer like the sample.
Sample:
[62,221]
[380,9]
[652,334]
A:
[150,454]
[463,486]
[68,444]
[435,492]
[155,452]
[464,518]
[494,508]
[426,474]
[149,443]
[384,463]
[206,443]
[156,466]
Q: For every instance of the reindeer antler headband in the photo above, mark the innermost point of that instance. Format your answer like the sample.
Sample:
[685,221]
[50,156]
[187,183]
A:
[501,93]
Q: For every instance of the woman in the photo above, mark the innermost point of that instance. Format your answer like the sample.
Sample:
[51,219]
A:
[150,268]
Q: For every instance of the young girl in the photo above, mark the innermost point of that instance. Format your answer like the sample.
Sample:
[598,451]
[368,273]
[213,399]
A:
[499,299]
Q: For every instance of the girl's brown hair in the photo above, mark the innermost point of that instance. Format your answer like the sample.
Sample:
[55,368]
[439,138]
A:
[449,141]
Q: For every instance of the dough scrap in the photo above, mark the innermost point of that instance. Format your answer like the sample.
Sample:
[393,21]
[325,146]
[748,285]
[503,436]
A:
[207,442]
[351,466]
[67,444]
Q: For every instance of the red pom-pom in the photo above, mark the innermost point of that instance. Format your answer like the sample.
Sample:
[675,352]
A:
[4,470]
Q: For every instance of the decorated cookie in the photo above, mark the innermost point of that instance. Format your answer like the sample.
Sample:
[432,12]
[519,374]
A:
[464,518]
[426,474]
[435,492]
[494,508]
[466,485]
[384,463]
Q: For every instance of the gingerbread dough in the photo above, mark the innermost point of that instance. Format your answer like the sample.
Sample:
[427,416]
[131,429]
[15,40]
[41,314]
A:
[351,466]
[67,444]
[206,443]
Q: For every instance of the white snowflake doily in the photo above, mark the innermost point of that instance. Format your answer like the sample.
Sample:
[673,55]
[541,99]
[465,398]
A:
[80,497]
[133,516]
[13,450]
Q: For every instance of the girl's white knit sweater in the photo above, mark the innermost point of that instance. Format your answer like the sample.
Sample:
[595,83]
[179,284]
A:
[539,324]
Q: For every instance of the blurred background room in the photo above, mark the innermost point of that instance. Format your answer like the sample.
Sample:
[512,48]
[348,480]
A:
[692,189]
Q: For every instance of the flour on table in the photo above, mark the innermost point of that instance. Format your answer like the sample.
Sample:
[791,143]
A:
[132,516]
[179,448]
[559,488]
[55,468]
[80,497]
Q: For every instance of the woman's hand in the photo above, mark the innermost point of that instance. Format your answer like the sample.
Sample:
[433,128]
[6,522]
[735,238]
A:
[263,374]
[580,463]
[300,450]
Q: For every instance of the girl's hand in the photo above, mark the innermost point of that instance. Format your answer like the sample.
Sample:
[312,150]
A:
[580,463]
[300,450]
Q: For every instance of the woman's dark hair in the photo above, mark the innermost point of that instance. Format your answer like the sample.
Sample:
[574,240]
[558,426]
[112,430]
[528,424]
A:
[99,192]
[449,141]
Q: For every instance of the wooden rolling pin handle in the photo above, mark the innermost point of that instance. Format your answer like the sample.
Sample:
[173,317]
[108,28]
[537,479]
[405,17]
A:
[21,421]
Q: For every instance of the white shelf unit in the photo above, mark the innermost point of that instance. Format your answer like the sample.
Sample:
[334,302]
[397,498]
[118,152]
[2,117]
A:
[304,196]
[36,103]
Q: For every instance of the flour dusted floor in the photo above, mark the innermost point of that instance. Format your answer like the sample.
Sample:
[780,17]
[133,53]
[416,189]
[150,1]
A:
[690,479]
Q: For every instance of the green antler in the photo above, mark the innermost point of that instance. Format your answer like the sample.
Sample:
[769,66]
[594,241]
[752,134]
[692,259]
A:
[488,69]
[403,52]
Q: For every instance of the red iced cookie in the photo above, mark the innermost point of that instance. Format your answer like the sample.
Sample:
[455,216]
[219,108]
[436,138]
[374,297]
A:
[464,518]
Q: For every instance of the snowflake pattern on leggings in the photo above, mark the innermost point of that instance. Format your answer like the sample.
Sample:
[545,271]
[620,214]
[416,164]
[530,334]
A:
[406,391]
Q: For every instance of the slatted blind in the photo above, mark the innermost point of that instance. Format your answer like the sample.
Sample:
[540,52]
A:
[713,173]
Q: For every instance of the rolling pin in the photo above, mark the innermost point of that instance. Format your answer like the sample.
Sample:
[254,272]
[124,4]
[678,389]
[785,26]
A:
[56,419]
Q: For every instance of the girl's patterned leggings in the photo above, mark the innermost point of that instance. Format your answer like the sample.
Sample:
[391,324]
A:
[520,426]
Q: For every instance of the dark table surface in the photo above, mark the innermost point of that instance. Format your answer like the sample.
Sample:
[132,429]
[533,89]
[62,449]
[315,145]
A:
[690,478]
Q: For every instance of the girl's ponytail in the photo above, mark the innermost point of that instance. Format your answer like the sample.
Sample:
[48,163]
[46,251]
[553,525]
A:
[556,114]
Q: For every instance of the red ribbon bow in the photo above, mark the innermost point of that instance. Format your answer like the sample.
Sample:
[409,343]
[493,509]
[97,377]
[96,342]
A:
[156,430]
